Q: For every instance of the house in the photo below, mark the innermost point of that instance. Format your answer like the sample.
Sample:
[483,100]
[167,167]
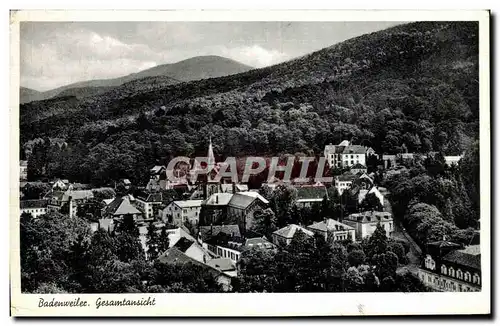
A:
[192,249]
[337,230]
[23,170]
[125,183]
[181,211]
[120,207]
[365,223]
[55,200]
[389,161]
[35,207]
[225,265]
[344,181]
[226,246]
[284,236]
[308,195]
[208,231]
[60,184]
[447,268]
[243,206]
[174,233]
[173,256]
[358,168]
[238,208]
[346,154]
[156,173]
[232,188]
[148,203]
[451,160]
[74,198]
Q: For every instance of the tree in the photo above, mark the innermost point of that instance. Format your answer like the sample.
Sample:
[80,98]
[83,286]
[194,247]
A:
[127,225]
[163,241]
[282,201]
[152,242]
[35,190]
[377,243]
[265,222]
[129,247]
[354,282]
[356,258]
[371,203]
[399,250]
[386,264]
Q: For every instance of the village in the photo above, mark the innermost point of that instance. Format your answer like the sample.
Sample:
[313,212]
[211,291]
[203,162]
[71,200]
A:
[212,223]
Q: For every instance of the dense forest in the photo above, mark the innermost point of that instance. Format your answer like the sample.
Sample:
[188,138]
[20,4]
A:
[411,87]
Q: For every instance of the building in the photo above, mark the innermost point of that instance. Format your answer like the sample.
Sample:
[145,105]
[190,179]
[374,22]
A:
[226,246]
[35,207]
[308,195]
[339,231]
[120,207]
[156,174]
[23,170]
[447,268]
[238,208]
[344,181]
[174,256]
[346,154]
[60,184]
[389,161]
[192,249]
[75,198]
[148,203]
[181,211]
[451,160]
[284,236]
[365,223]
[209,231]
[225,265]
[358,168]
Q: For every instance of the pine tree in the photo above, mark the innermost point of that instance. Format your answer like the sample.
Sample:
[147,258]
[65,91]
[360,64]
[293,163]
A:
[152,242]
[163,241]
[128,225]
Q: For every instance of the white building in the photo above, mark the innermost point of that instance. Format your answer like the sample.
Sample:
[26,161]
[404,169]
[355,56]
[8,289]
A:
[346,154]
[363,192]
[284,236]
[344,181]
[36,207]
[182,211]
[365,223]
[148,203]
[339,231]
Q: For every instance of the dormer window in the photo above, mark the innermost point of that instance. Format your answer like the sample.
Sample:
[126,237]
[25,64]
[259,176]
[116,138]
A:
[451,272]
[476,279]
[444,270]
[467,277]
[459,274]
[429,263]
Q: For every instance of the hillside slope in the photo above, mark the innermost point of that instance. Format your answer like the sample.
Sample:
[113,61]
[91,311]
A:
[411,87]
[187,70]
[28,95]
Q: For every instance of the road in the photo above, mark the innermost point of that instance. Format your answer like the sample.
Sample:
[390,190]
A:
[415,253]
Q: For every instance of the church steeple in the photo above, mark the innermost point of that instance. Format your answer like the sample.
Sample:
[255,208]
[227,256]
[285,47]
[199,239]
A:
[210,156]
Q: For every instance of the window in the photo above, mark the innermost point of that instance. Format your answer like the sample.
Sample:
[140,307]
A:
[443,270]
[459,274]
[232,255]
[467,277]
[451,272]
[476,278]
[352,156]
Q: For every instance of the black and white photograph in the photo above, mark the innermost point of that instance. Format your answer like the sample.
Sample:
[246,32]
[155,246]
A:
[233,157]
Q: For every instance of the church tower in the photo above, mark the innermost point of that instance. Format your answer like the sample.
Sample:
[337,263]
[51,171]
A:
[211,186]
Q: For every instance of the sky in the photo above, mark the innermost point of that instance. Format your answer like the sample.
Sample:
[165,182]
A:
[55,54]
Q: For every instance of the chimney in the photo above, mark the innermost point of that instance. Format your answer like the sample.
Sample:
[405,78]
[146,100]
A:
[216,199]
[234,187]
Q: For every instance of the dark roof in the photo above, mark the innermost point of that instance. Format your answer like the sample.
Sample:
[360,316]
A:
[81,186]
[121,206]
[242,201]
[183,244]
[35,203]
[174,256]
[465,259]
[213,230]
[354,149]
[443,244]
[150,197]
[222,264]
[358,166]
[311,192]
[347,176]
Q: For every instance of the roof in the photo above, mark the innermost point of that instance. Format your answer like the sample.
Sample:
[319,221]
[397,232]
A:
[472,250]
[157,168]
[344,143]
[388,157]
[218,199]
[259,242]
[57,195]
[347,176]
[108,201]
[176,257]
[35,203]
[358,166]
[311,192]
[370,216]
[183,244]
[126,181]
[78,194]
[254,194]
[222,264]
[463,258]
[289,231]
[188,203]
[330,225]
[354,149]
[121,206]
[150,197]
[213,230]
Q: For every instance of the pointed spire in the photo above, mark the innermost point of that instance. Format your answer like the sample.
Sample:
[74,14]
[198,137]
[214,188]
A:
[211,157]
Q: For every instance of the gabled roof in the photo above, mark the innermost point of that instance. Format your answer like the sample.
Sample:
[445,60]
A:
[149,197]
[254,194]
[289,231]
[242,200]
[188,203]
[463,258]
[56,195]
[157,168]
[121,206]
[78,195]
[354,149]
[213,230]
[174,256]
[330,225]
[35,203]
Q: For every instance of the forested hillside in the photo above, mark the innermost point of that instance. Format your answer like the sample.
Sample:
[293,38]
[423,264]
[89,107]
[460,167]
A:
[414,85]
